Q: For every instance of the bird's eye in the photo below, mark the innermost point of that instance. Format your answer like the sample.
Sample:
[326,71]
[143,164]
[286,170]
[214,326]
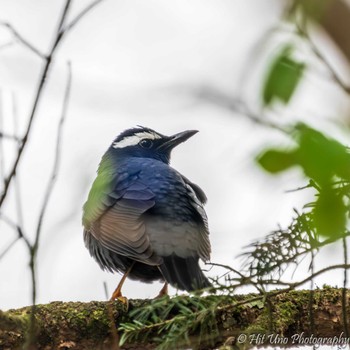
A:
[146,143]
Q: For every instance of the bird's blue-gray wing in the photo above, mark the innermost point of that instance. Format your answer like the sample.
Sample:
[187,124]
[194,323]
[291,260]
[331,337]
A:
[112,214]
[181,227]
[198,199]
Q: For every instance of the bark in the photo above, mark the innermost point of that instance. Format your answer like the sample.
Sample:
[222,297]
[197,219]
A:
[278,322]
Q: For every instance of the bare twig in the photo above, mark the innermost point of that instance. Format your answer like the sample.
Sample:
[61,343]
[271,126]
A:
[10,137]
[249,280]
[16,178]
[22,40]
[57,157]
[13,171]
[63,17]
[232,103]
[303,33]
[52,179]
[105,288]
[7,249]
[76,19]
[2,155]
[17,228]
[229,268]
[6,45]
[293,285]
[38,95]
[312,294]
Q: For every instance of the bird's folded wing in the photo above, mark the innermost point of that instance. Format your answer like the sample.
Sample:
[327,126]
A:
[197,199]
[114,219]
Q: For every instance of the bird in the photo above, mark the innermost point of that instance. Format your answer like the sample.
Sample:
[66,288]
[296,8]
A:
[143,218]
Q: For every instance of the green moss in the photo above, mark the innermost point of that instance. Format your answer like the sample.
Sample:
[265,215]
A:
[285,315]
[92,323]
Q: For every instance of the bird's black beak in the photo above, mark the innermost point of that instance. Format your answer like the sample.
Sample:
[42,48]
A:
[174,140]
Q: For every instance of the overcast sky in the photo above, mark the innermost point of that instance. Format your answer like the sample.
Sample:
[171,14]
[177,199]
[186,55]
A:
[137,62]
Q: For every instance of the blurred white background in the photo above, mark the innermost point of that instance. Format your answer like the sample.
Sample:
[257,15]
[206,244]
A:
[134,63]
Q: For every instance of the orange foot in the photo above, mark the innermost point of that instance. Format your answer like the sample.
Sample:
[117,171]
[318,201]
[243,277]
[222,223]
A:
[117,295]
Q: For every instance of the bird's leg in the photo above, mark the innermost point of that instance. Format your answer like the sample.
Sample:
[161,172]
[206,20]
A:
[163,291]
[117,294]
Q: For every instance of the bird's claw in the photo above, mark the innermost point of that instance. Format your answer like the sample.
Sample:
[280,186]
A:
[121,299]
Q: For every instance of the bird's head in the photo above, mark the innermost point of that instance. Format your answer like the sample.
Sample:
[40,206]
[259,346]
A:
[147,143]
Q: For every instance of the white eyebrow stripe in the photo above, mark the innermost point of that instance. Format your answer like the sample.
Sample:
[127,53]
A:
[135,139]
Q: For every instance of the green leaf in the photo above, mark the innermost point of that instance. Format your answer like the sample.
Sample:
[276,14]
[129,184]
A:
[275,161]
[283,78]
[329,214]
[321,157]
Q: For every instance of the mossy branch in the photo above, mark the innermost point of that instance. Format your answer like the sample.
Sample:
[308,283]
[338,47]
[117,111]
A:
[97,325]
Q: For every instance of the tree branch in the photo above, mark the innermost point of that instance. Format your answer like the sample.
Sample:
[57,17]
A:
[22,40]
[17,228]
[81,15]
[57,158]
[9,137]
[239,321]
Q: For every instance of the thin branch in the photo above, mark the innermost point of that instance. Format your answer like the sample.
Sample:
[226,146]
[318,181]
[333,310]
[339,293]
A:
[17,228]
[63,17]
[57,158]
[76,19]
[9,137]
[246,281]
[38,95]
[318,273]
[231,269]
[105,288]
[7,249]
[232,103]
[13,171]
[291,287]
[312,294]
[22,40]
[303,33]
[309,185]
[2,155]
[17,184]
[6,45]
[51,183]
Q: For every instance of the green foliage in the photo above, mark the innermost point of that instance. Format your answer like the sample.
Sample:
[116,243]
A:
[274,253]
[330,213]
[321,158]
[275,161]
[282,78]
[169,323]
[326,162]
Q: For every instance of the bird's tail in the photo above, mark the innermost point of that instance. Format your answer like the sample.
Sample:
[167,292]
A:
[183,273]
